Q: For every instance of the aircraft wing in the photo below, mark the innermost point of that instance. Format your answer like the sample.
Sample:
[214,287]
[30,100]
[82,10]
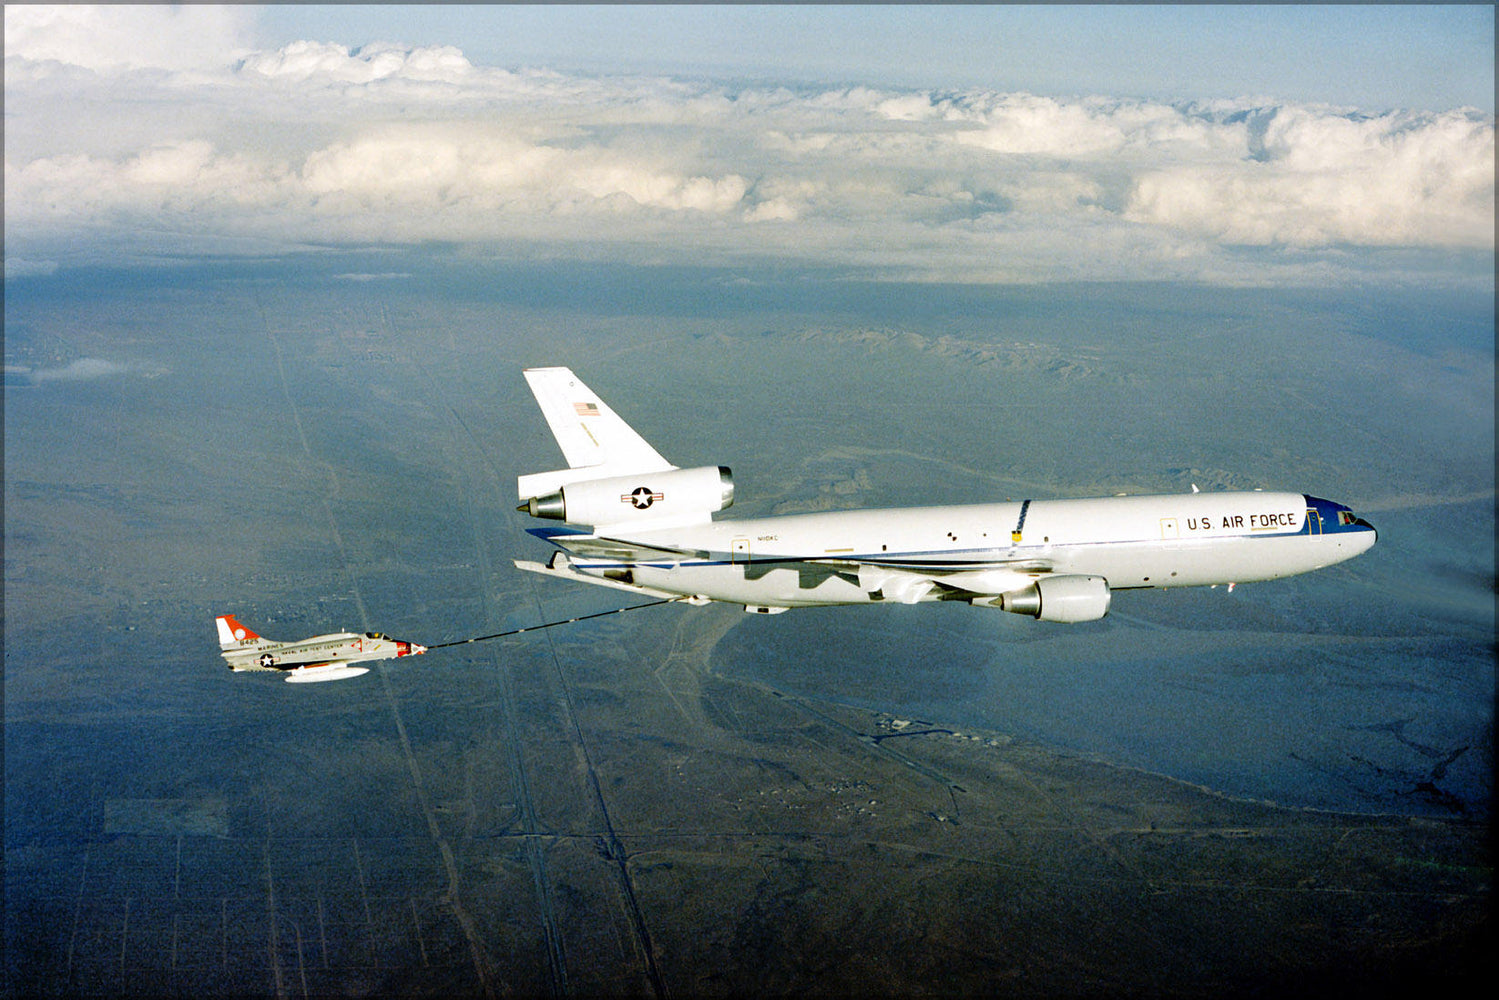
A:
[979,579]
[561,568]
[594,546]
[908,583]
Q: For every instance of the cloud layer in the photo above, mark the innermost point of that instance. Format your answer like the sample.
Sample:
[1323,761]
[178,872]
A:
[78,370]
[317,144]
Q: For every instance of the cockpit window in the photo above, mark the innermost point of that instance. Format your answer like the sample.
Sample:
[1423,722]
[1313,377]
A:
[373,635]
[1346,517]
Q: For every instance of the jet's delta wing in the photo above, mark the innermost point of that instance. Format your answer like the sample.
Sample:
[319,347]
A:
[644,525]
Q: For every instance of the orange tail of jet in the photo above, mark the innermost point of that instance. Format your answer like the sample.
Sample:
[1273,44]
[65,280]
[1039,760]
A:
[232,633]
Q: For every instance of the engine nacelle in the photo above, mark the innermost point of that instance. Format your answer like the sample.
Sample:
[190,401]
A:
[1061,599]
[680,494]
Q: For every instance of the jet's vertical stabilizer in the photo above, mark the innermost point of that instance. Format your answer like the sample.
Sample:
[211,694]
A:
[596,442]
[233,635]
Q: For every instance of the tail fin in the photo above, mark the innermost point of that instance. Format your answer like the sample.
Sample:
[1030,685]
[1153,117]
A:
[232,633]
[595,441]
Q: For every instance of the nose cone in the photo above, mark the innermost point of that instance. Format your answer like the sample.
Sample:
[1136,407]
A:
[1362,541]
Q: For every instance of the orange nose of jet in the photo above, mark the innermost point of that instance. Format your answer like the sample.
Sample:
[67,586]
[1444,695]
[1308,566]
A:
[410,649]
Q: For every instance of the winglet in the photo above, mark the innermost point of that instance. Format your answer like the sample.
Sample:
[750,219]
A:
[231,632]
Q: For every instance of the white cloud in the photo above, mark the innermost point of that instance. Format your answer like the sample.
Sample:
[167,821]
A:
[21,267]
[114,36]
[1321,179]
[1042,126]
[80,370]
[645,186]
[441,168]
[319,144]
[327,61]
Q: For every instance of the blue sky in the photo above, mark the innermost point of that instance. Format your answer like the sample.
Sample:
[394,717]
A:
[1376,57]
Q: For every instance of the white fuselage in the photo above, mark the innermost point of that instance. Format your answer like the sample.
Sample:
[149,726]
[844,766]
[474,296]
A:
[339,648]
[860,556]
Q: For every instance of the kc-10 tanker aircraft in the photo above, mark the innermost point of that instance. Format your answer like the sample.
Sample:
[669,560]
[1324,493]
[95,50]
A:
[636,522]
[321,658]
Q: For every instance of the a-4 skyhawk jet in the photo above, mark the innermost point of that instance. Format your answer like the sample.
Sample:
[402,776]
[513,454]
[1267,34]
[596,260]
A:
[644,525]
[321,658]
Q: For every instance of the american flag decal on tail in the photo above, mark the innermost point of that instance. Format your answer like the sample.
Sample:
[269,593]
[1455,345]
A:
[586,409]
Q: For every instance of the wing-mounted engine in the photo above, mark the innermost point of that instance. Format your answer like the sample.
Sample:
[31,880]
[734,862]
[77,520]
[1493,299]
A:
[1058,599]
[678,496]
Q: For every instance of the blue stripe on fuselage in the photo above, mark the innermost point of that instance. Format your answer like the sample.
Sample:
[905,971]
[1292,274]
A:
[930,559]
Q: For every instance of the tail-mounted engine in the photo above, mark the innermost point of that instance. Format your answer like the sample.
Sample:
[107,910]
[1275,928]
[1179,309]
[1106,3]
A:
[680,494]
[1060,599]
